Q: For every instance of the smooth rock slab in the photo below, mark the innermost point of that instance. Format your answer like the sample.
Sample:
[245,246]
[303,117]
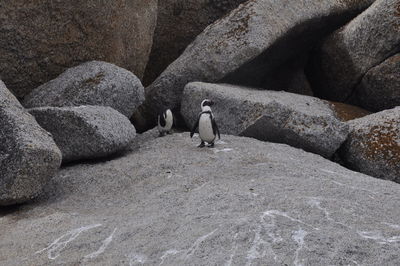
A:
[41,39]
[380,87]
[245,202]
[86,132]
[373,145]
[300,121]
[28,155]
[252,40]
[351,51]
[91,83]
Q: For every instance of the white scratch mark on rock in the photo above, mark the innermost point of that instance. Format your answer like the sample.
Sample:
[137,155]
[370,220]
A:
[137,258]
[169,253]
[196,244]
[234,249]
[377,236]
[354,188]
[55,248]
[223,150]
[299,236]
[258,242]
[314,202]
[103,246]
[394,226]
[279,213]
[199,187]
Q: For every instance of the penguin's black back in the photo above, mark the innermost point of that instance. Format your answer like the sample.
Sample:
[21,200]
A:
[162,119]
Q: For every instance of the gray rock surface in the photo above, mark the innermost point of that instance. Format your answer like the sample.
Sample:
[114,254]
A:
[86,132]
[28,155]
[178,23]
[91,83]
[252,40]
[245,202]
[41,39]
[380,87]
[300,121]
[350,52]
[373,145]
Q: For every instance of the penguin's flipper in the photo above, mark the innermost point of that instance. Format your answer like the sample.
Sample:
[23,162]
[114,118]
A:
[215,128]
[195,126]
[161,120]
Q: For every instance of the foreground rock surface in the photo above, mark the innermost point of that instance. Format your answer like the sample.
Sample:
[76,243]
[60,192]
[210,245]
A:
[252,40]
[350,52]
[380,87]
[86,132]
[373,146]
[178,23]
[28,155]
[41,39]
[243,202]
[300,121]
[91,83]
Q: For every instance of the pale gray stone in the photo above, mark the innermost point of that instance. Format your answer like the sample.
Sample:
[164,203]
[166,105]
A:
[251,41]
[350,52]
[300,121]
[86,132]
[28,155]
[380,87]
[91,83]
[245,202]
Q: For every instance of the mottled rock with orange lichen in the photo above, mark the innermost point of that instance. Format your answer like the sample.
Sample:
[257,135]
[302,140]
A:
[373,145]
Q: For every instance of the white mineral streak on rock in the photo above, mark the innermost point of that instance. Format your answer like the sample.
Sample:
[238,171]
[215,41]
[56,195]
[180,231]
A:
[137,259]
[196,244]
[377,236]
[55,248]
[169,253]
[103,246]
[234,249]
[298,236]
[314,202]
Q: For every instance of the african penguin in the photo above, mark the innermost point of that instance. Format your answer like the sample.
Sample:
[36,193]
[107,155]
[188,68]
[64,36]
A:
[208,129]
[165,121]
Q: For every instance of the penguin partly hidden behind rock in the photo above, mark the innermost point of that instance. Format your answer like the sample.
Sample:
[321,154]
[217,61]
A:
[165,122]
[208,129]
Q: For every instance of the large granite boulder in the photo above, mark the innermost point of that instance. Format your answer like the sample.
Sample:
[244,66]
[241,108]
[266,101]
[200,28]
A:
[91,83]
[247,44]
[86,132]
[178,23]
[28,155]
[245,202]
[373,145]
[300,121]
[380,87]
[350,52]
[41,39]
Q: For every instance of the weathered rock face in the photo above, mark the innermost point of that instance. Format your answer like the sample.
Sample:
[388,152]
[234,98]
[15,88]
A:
[178,23]
[91,83]
[252,40]
[243,202]
[300,121]
[373,146]
[28,155]
[380,87]
[86,132]
[41,39]
[350,52]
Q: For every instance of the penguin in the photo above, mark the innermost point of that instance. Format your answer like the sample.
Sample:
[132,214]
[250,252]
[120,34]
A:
[165,122]
[208,129]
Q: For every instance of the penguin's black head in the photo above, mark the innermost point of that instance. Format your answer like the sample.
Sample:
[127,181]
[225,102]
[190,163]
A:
[207,102]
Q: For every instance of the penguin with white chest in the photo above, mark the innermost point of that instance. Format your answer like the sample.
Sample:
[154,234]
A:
[165,122]
[208,129]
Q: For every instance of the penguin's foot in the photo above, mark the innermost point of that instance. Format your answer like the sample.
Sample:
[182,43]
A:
[211,145]
[161,134]
[169,132]
[202,144]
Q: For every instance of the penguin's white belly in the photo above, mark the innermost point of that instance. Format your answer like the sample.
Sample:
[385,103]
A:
[205,128]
